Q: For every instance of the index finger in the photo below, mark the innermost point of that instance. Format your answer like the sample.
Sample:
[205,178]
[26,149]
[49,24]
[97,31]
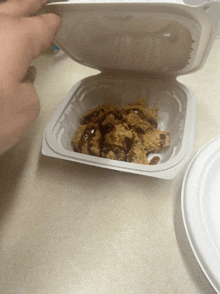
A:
[22,41]
[20,8]
[43,28]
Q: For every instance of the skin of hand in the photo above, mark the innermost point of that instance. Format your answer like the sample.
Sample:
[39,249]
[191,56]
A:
[23,35]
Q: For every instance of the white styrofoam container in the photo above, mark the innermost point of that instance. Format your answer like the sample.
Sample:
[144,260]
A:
[140,49]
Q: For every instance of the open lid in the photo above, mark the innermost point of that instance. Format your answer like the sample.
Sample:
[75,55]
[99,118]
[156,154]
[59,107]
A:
[159,38]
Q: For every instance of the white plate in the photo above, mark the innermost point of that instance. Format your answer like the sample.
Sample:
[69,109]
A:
[201,209]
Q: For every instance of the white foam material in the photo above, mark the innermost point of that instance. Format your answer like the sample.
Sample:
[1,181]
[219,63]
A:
[159,42]
[125,1]
[176,106]
[167,39]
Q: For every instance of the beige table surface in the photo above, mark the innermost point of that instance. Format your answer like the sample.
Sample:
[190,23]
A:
[71,228]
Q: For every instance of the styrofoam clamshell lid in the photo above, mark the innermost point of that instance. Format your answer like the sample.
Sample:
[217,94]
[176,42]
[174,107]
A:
[160,38]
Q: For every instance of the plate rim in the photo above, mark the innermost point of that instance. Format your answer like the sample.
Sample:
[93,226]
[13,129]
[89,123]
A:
[187,227]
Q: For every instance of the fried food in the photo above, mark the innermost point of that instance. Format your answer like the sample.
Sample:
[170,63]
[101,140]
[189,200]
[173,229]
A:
[129,134]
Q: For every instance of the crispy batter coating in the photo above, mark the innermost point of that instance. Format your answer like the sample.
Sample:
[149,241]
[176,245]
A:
[127,134]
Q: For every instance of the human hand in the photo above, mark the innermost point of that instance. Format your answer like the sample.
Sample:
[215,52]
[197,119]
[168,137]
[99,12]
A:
[22,37]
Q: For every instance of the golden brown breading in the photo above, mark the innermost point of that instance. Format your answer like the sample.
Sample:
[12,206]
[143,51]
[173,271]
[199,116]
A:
[127,134]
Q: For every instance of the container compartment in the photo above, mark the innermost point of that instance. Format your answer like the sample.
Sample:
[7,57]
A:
[175,108]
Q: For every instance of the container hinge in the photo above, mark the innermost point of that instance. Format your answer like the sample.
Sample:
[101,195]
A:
[133,74]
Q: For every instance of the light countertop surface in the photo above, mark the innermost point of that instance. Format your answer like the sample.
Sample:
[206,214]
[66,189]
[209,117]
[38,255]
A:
[71,228]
